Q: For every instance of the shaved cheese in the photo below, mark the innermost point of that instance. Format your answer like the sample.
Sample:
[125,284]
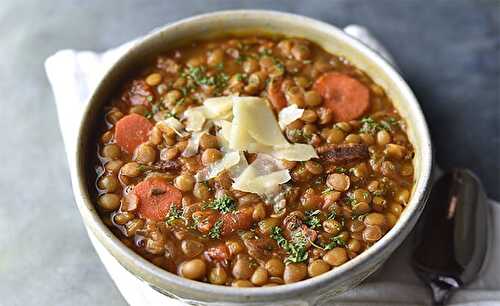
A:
[254,118]
[212,109]
[229,160]
[175,125]
[223,134]
[288,115]
[238,169]
[254,129]
[218,108]
[193,144]
[263,176]
[295,152]
[195,119]
[263,184]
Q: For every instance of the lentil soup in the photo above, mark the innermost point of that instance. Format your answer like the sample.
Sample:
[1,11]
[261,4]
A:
[251,161]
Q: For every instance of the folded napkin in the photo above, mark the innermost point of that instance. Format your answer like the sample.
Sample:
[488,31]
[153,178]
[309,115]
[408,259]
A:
[74,74]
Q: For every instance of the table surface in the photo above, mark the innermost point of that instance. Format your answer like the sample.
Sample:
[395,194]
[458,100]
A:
[449,52]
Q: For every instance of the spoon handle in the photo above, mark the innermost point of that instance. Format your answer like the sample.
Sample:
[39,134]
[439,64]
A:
[442,289]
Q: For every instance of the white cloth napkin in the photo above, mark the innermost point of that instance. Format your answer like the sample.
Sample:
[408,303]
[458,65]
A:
[74,74]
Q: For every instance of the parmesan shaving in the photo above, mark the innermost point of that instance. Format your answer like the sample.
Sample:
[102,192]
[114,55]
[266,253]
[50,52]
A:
[295,152]
[194,119]
[193,144]
[212,109]
[263,176]
[254,129]
[175,125]
[229,160]
[288,115]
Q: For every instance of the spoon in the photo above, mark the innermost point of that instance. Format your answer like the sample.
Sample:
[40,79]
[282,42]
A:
[452,236]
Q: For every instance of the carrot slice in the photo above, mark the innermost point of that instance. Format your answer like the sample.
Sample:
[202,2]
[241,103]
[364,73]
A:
[156,197]
[348,98]
[275,94]
[131,131]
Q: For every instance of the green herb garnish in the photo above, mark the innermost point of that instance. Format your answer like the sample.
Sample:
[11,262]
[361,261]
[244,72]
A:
[199,76]
[371,126]
[215,231]
[223,204]
[341,170]
[327,190]
[296,249]
[332,215]
[335,242]
[312,219]
[349,199]
[173,214]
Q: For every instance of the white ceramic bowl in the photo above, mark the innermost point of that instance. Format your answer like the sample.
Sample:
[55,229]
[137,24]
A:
[331,39]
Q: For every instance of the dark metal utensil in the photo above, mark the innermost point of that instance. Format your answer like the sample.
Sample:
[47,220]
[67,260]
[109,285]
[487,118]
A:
[452,236]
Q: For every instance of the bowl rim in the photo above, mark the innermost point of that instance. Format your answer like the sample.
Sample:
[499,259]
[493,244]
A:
[165,280]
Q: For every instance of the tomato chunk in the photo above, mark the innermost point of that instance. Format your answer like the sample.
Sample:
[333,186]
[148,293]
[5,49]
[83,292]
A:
[156,197]
[347,97]
[235,221]
[131,131]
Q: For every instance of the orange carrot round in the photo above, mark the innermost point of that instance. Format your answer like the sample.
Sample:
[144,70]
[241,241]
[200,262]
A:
[347,97]
[131,131]
[156,198]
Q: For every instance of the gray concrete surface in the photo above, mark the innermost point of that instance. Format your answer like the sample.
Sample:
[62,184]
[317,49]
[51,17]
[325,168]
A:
[448,50]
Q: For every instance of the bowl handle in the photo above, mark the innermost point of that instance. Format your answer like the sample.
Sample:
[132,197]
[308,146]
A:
[366,37]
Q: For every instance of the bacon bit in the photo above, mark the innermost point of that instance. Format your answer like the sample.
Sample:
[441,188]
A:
[344,153]
[218,253]
[261,249]
[139,93]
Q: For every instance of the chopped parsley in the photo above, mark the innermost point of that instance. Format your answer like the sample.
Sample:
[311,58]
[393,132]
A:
[371,126]
[327,191]
[241,58]
[341,170]
[219,66]
[215,231]
[312,219]
[296,249]
[155,108]
[200,77]
[196,221]
[335,242]
[173,214]
[223,204]
[331,215]
[349,199]
[266,52]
